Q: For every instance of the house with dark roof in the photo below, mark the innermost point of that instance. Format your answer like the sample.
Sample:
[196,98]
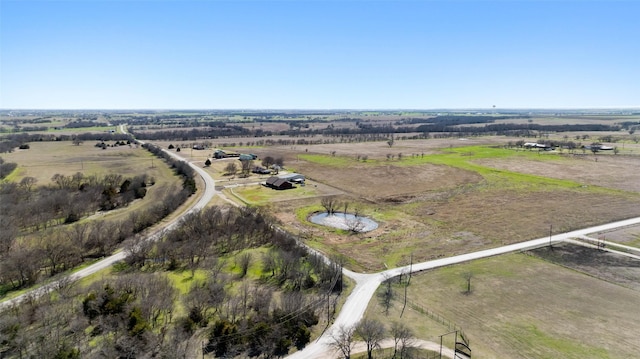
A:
[278,183]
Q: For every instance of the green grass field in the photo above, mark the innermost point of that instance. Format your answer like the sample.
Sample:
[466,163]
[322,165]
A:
[523,307]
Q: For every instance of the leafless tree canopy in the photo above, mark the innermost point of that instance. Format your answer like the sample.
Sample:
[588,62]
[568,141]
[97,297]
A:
[372,332]
[342,341]
[330,204]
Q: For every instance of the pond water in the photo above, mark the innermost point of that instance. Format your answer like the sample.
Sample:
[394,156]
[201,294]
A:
[344,221]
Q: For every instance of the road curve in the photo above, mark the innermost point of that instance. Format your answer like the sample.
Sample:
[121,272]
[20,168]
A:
[366,284]
[205,197]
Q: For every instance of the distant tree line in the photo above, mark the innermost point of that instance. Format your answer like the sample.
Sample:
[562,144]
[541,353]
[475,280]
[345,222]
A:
[181,168]
[446,126]
[219,130]
[83,124]
[452,120]
[9,143]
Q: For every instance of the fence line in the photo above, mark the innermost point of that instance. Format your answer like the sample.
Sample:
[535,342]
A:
[438,318]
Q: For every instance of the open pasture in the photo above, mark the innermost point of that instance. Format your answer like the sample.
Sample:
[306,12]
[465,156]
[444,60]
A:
[44,159]
[458,199]
[610,171]
[525,307]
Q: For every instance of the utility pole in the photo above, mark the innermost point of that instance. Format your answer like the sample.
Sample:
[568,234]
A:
[406,285]
[550,234]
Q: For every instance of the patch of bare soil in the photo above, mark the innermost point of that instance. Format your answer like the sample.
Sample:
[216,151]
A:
[613,268]
[389,183]
[611,171]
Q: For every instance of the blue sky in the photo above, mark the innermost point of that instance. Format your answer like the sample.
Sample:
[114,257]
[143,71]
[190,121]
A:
[319,54]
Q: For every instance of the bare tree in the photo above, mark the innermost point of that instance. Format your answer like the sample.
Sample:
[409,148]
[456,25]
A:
[231,169]
[8,234]
[245,167]
[402,338]
[342,340]
[386,295]
[330,204]
[372,332]
[28,182]
[267,161]
[354,224]
[244,262]
[391,141]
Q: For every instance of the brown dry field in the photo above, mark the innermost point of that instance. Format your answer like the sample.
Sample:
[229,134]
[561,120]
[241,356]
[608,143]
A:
[525,307]
[430,211]
[44,159]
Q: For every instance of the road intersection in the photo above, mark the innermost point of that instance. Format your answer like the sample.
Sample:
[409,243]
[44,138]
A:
[366,284]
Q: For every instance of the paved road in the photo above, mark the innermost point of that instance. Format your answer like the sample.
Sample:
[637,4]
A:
[205,197]
[361,347]
[366,284]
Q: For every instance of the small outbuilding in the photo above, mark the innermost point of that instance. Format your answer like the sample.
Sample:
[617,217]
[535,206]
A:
[293,177]
[261,170]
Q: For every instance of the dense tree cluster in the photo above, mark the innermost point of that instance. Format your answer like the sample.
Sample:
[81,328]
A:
[32,241]
[6,168]
[135,313]
[38,235]
[67,198]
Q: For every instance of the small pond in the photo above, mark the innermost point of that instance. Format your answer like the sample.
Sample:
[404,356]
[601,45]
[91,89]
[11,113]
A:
[344,221]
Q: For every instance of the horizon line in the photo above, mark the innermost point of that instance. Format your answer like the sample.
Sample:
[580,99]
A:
[334,109]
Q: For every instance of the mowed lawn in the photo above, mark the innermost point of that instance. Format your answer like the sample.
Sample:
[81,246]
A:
[521,306]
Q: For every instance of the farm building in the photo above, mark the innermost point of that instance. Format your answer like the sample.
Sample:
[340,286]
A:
[278,183]
[292,177]
[261,170]
[224,154]
[536,145]
[247,157]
